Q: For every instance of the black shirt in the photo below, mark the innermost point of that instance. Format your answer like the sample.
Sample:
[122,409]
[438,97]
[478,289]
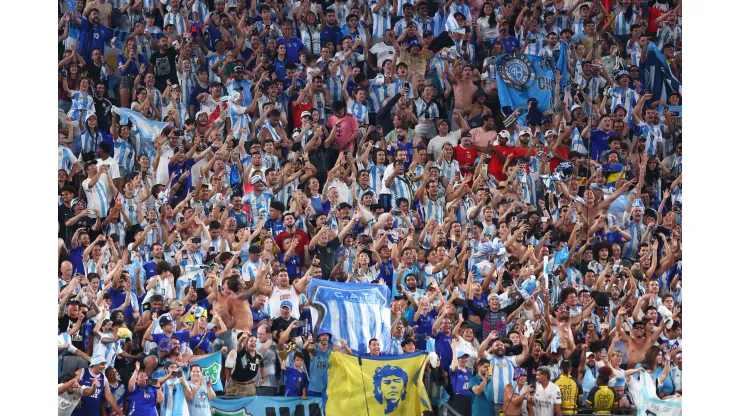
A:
[93,71]
[65,323]
[531,366]
[247,366]
[102,111]
[327,256]
[279,324]
[165,67]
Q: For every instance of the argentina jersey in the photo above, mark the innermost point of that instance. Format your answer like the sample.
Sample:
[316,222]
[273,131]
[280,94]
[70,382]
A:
[194,260]
[433,209]
[503,374]
[359,111]
[124,155]
[622,23]
[177,20]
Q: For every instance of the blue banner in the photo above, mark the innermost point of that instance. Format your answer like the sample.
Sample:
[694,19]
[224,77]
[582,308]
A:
[562,64]
[659,80]
[355,312]
[521,77]
[211,367]
[264,406]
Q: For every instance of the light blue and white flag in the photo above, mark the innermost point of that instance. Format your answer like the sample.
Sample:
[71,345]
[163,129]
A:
[211,366]
[647,401]
[577,145]
[659,80]
[355,312]
[263,406]
[148,129]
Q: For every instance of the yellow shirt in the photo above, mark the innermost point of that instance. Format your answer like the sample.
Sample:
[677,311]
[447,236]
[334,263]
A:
[417,64]
[569,392]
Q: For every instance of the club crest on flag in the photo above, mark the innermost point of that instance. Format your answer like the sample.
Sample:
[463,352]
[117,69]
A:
[517,71]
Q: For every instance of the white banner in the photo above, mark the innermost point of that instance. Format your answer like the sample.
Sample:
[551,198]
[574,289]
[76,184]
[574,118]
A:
[647,401]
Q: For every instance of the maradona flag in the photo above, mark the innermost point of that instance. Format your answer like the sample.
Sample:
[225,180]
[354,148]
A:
[521,77]
[376,385]
[211,366]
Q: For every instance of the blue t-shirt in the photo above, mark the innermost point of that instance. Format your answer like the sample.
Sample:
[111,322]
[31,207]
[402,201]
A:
[117,299]
[143,401]
[203,341]
[295,381]
[319,368]
[91,37]
[443,348]
[183,336]
[294,45]
[424,326]
[460,379]
[599,142]
[292,265]
[481,405]
[179,169]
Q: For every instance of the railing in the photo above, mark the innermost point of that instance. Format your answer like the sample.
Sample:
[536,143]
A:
[447,410]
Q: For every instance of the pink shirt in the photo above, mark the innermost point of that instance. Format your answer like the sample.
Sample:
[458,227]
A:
[481,137]
[347,128]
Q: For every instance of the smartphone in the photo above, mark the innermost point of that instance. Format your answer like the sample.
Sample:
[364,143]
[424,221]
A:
[300,324]
[151,382]
[177,373]
[196,240]
[408,86]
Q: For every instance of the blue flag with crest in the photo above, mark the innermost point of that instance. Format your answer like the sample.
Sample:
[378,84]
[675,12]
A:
[521,77]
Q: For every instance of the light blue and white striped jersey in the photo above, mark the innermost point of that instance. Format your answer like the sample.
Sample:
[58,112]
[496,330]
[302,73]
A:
[239,119]
[466,50]
[635,54]
[90,141]
[194,259]
[284,194]
[174,403]
[109,351]
[399,12]
[352,60]
[448,168]
[187,81]
[117,228]
[125,155]
[320,104]
[591,86]
[270,161]
[334,85]
[359,111]
[66,159]
[531,48]
[376,175]
[97,196]
[627,98]
[201,8]
[503,374]
[181,110]
[654,135]
[666,35]
[400,188]
[433,209]
[426,111]
[257,203]
[577,26]
[81,102]
[401,25]
[440,20]
[379,91]
[131,208]
[177,20]
[211,59]
[460,8]
[311,38]
[246,88]
[622,24]
[636,231]
[144,47]
[155,96]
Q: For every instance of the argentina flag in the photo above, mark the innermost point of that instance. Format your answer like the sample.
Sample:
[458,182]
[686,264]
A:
[659,80]
[148,129]
[355,312]
[521,77]
[562,64]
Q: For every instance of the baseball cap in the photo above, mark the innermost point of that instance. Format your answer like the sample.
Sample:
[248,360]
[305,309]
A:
[97,360]
[287,304]
[526,131]
[505,134]
[549,132]
[461,354]
[590,354]
[165,321]
[574,106]
[306,114]
[239,69]
[256,179]
[175,87]
[176,304]
[344,205]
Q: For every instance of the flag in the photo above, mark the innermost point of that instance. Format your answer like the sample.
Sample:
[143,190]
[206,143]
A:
[211,367]
[376,385]
[659,80]
[148,129]
[355,312]
[562,64]
[577,145]
[647,401]
[521,77]
[266,406]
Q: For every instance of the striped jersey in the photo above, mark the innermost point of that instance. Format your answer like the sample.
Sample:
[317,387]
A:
[622,23]
[426,111]
[503,374]
[66,159]
[177,20]
[359,111]
[125,155]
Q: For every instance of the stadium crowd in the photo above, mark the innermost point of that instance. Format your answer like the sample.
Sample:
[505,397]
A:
[364,142]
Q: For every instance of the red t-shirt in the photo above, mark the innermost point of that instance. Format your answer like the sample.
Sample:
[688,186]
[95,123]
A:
[303,241]
[520,152]
[466,157]
[555,162]
[496,167]
[297,110]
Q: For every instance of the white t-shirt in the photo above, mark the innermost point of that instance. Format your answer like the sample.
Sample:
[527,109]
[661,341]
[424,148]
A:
[112,171]
[279,295]
[68,401]
[163,174]
[382,52]
[545,399]
[161,287]
[435,145]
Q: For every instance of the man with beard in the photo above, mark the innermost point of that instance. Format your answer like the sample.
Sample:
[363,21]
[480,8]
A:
[637,342]
[503,368]
[600,137]
[92,35]
[164,64]
[320,361]
[291,232]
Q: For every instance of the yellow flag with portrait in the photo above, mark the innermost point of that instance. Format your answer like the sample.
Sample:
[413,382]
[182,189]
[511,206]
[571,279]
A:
[391,385]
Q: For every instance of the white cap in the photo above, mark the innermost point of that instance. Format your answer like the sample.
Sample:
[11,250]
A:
[574,106]
[504,133]
[549,132]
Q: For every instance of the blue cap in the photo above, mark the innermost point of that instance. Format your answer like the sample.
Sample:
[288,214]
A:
[619,382]
[623,73]
[286,303]
[519,371]
[461,354]
[323,331]
[96,360]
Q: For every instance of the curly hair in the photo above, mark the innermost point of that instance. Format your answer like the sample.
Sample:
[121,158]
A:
[388,371]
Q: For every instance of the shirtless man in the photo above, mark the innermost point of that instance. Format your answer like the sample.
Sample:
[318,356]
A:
[285,291]
[637,341]
[563,322]
[464,90]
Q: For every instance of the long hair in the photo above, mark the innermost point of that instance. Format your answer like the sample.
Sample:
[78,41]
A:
[651,357]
